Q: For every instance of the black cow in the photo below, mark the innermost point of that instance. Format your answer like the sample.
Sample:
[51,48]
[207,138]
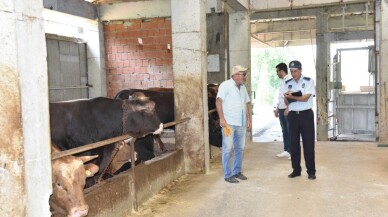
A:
[164,99]
[80,122]
[215,135]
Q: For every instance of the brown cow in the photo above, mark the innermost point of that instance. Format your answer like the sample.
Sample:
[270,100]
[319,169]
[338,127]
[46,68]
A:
[68,181]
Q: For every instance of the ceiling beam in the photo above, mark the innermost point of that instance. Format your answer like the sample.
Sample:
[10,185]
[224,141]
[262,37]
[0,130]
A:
[301,12]
[285,36]
[100,2]
[283,26]
[259,40]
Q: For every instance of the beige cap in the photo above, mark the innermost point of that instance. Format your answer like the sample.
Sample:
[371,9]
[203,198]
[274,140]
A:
[238,68]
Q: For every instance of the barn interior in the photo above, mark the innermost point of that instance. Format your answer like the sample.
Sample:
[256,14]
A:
[55,50]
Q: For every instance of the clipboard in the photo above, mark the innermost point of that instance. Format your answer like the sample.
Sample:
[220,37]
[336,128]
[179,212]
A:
[298,93]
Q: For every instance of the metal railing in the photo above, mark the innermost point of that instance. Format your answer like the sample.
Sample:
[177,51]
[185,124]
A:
[105,142]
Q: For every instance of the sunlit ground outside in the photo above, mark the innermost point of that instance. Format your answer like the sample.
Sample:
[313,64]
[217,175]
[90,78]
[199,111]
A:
[266,128]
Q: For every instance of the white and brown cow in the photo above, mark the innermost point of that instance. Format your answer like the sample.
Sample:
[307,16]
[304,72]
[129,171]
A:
[68,181]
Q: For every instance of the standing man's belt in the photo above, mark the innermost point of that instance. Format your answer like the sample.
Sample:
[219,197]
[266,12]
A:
[298,112]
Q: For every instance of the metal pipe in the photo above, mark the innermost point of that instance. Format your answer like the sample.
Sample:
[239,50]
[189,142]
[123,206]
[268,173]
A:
[105,142]
[133,165]
[65,88]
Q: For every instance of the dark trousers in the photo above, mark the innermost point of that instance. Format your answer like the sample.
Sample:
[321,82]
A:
[284,125]
[302,124]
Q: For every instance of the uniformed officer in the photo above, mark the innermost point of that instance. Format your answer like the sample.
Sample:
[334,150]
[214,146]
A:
[300,119]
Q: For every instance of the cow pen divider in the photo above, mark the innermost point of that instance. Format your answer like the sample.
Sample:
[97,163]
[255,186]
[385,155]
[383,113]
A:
[105,142]
[110,141]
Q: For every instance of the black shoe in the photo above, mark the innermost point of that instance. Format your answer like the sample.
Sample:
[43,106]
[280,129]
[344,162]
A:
[232,180]
[312,176]
[293,175]
[240,176]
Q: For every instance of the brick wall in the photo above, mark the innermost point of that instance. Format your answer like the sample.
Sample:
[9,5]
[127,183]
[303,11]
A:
[130,64]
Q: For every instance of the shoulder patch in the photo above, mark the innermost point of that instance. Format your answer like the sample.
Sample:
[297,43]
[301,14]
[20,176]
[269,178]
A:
[288,80]
[306,78]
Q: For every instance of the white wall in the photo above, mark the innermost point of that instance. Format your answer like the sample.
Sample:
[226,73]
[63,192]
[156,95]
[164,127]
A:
[87,31]
[135,10]
[149,9]
[216,4]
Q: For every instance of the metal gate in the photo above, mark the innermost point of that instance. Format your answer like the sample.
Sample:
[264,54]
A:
[352,112]
[67,70]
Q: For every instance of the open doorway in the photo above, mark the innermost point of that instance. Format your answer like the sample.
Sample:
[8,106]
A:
[352,95]
[265,83]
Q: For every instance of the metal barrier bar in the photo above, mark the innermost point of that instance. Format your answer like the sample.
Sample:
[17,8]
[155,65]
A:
[89,147]
[66,88]
[134,192]
[175,122]
[105,142]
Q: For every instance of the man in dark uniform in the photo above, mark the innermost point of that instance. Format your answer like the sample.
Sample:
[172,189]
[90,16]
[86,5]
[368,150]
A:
[299,92]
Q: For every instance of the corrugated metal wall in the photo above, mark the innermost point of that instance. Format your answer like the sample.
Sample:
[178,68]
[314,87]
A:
[356,113]
[67,70]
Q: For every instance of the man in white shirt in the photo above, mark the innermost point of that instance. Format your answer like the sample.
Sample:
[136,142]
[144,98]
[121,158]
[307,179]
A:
[299,92]
[233,107]
[281,111]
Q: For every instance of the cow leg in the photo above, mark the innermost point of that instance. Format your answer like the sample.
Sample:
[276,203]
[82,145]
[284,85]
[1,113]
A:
[159,142]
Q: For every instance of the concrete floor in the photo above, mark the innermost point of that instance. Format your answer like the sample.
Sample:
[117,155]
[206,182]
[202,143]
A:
[352,180]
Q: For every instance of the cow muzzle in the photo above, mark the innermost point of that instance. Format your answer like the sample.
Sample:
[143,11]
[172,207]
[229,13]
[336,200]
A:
[79,212]
[160,130]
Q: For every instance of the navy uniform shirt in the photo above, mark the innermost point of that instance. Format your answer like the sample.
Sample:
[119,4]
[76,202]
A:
[306,86]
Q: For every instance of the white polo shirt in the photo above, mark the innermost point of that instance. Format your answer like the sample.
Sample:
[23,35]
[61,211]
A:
[234,102]
[281,103]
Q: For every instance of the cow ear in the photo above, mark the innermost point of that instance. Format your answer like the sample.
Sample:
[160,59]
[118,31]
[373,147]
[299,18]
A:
[91,169]
[138,96]
[146,106]
[87,158]
[150,106]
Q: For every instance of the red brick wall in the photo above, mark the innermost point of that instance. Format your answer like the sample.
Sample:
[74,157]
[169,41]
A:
[133,65]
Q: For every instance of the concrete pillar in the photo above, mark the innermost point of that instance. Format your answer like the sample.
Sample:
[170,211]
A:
[383,72]
[25,165]
[322,70]
[240,46]
[240,41]
[188,22]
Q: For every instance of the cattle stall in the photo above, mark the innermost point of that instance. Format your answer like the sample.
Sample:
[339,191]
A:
[114,197]
[122,193]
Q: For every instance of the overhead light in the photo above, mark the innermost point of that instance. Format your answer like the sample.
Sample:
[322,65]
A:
[285,43]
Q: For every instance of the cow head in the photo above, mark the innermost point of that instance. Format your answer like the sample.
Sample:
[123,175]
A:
[140,116]
[68,181]
[122,157]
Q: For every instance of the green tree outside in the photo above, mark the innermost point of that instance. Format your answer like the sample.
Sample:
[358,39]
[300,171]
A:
[265,81]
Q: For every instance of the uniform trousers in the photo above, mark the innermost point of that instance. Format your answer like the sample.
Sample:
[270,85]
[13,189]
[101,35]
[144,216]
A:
[284,125]
[302,124]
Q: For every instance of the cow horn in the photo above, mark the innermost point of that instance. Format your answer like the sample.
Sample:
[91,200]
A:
[87,158]
[91,169]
